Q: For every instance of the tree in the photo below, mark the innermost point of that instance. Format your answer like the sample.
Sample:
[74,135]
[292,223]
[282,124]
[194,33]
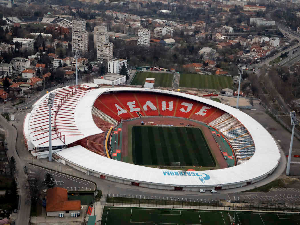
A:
[12,165]
[6,84]
[49,181]
[124,71]
[102,70]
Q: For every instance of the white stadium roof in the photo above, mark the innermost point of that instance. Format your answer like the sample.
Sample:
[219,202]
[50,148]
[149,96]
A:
[263,162]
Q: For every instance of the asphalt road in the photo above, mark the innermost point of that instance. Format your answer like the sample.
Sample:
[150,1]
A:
[24,204]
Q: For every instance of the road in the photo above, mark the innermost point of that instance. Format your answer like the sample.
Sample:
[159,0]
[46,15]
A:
[21,178]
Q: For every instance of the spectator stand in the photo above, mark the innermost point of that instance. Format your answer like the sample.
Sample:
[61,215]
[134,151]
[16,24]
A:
[116,142]
[224,147]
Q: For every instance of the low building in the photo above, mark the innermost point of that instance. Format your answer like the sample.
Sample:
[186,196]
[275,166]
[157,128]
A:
[149,83]
[5,70]
[20,64]
[227,92]
[57,63]
[254,8]
[58,205]
[262,22]
[28,73]
[115,65]
[111,79]
[27,43]
[3,95]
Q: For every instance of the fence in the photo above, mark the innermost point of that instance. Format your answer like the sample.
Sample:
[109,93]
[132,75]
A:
[273,112]
[188,203]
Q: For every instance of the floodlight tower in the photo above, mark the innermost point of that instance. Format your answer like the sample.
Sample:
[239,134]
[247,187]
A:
[293,123]
[240,69]
[76,57]
[50,105]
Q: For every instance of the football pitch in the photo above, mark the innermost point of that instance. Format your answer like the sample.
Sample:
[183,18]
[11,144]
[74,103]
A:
[124,215]
[161,79]
[205,81]
[170,146]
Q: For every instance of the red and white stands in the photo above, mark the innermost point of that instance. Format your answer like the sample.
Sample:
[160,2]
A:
[80,117]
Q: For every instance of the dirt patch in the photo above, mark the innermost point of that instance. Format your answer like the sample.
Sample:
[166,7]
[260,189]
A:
[175,122]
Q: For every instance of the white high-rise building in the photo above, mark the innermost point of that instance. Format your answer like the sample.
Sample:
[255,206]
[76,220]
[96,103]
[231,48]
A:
[105,52]
[102,44]
[100,35]
[115,65]
[143,37]
[79,36]
[160,32]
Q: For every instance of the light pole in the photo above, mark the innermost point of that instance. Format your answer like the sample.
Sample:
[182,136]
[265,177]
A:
[76,57]
[238,97]
[50,105]
[293,123]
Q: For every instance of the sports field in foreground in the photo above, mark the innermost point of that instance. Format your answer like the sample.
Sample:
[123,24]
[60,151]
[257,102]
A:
[205,81]
[161,79]
[115,215]
[157,145]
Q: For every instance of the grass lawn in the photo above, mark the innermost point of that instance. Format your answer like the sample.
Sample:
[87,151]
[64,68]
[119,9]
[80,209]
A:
[155,145]
[120,215]
[86,199]
[161,79]
[205,81]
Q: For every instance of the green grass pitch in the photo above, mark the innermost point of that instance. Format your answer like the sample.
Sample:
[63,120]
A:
[160,146]
[115,215]
[205,81]
[161,79]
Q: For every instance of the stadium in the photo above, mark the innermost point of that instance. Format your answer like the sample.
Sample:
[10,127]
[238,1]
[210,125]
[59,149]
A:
[151,138]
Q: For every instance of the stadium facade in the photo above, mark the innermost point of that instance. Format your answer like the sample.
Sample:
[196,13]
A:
[256,151]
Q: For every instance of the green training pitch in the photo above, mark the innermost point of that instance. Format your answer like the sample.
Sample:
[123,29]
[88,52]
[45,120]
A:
[164,146]
[161,79]
[205,81]
[123,215]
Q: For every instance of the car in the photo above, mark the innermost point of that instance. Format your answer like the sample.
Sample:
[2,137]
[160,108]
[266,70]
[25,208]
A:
[202,190]
[213,191]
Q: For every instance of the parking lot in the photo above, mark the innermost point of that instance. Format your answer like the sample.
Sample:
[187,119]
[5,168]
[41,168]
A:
[71,183]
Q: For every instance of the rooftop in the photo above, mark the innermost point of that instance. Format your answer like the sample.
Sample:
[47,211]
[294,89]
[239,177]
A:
[57,200]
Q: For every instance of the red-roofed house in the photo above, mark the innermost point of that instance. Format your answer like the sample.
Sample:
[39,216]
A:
[28,73]
[58,204]
[35,81]
[193,67]
[40,66]
[254,8]
[3,94]
[46,75]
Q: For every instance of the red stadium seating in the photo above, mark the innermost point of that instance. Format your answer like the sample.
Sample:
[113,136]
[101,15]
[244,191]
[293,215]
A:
[162,105]
[147,103]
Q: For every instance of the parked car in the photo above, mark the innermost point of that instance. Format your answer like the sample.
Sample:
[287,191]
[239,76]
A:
[213,191]
[202,190]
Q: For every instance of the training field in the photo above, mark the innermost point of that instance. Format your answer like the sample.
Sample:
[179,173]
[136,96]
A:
[156,145]
[115,215]
[161,79]
[205,81]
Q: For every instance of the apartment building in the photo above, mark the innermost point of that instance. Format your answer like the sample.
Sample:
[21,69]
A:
[79,36]
[160,32]
[100,35]
[105,51]
[143,37]
[102,44]
[115,65]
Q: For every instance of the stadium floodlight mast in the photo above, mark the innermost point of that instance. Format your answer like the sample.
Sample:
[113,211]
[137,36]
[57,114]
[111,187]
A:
[240,69]
[293,123]
[76,56]
[50,105]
